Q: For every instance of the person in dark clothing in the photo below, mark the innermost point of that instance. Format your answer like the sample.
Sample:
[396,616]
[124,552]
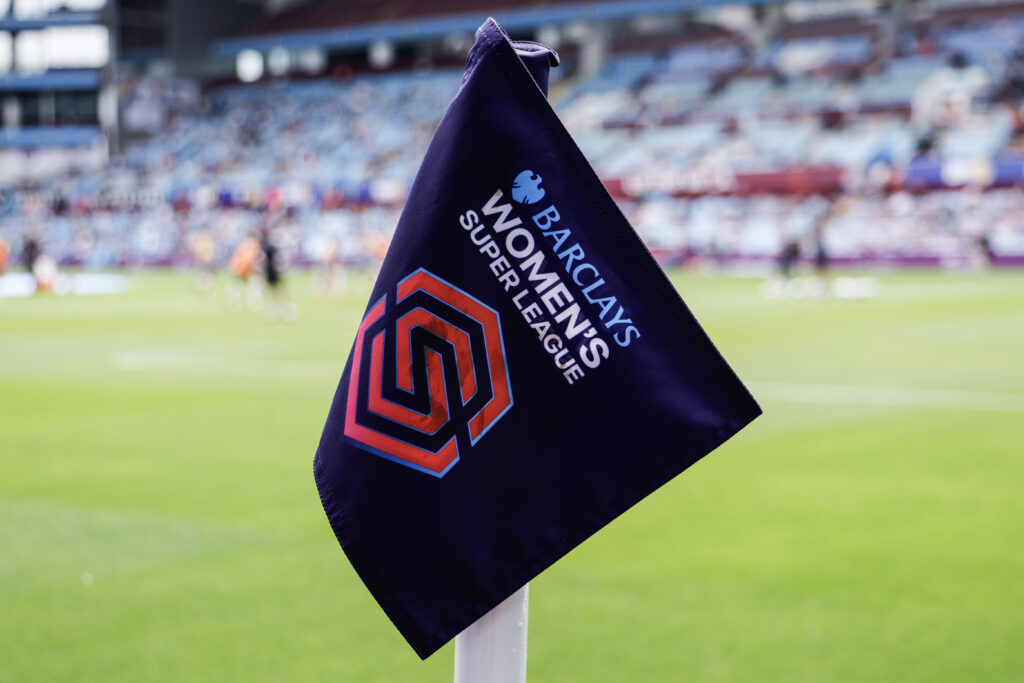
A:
[821,258]
[271,267]
[788,257]
[30,253]
[986,254]
[278,303]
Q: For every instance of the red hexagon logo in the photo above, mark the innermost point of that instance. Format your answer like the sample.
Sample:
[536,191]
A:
[428,372]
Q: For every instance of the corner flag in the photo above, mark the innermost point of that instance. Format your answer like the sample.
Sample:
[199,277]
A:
[524,372]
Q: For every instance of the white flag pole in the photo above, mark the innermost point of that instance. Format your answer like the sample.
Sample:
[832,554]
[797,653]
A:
[493,648]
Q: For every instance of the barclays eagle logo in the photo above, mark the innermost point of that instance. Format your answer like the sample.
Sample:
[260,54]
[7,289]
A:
[526,189]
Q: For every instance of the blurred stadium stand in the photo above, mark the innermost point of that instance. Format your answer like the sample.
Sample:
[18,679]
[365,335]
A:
[724,129]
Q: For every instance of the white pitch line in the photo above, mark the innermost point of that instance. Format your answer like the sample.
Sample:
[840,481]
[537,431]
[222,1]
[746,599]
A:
[786,392]
[895,397]
[210,349]
[226,366]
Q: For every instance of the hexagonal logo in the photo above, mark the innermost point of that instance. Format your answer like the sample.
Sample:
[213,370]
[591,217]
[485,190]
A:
[429,376]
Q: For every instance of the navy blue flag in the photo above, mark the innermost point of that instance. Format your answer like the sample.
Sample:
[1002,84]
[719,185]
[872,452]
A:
[524,372]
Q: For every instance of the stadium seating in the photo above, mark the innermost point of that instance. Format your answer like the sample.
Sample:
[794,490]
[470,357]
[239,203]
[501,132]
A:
[716,148]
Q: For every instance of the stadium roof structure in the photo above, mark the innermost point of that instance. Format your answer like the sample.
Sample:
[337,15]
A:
[322,23]
[61,79]
[30,137]
[9,22]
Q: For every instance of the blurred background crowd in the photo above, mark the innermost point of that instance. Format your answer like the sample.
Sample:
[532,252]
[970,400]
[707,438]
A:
[876,132]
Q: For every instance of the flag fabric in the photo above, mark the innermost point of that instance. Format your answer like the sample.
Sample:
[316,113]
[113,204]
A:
[524,372]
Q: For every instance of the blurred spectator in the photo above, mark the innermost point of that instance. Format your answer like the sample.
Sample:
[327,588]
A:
[944,99]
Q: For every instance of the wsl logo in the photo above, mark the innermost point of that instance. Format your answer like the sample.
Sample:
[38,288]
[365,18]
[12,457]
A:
[526,188]
[428,376]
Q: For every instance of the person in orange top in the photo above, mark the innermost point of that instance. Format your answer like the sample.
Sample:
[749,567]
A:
[5,254]
[243,260]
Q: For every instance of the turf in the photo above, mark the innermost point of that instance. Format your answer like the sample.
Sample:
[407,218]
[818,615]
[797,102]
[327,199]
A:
[158,519]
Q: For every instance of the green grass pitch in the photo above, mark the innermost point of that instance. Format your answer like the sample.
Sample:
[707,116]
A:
[159,522]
